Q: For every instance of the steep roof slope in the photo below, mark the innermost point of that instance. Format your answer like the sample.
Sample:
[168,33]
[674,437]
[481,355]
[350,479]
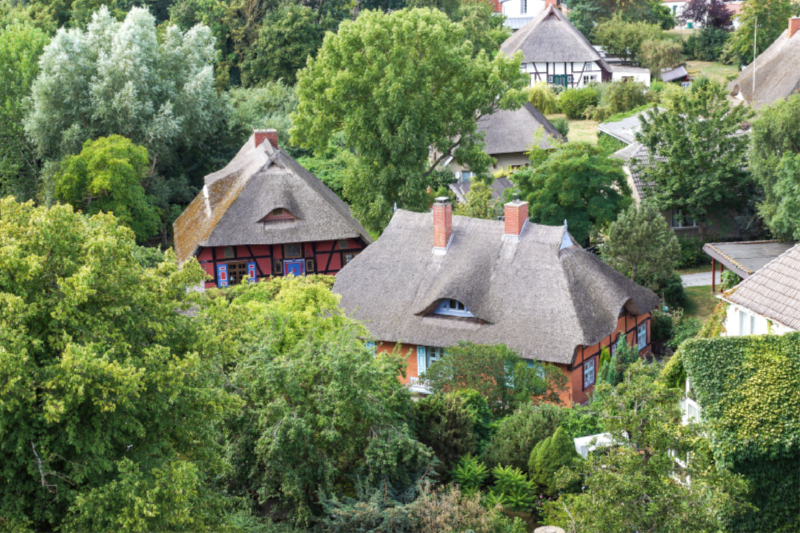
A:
[229,209]
[551,38]
[774,290]
[777,73]
[531,295]
[512,131]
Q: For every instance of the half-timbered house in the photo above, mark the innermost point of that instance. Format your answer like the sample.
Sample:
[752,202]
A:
[434,279]
[554,51]
[265,215]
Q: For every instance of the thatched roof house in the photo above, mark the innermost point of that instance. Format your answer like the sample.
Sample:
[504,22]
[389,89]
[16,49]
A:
[266,211]
[514,282]
[553,50]
[775,74]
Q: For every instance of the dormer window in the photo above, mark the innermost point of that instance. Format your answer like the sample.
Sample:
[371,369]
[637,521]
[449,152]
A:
[452,307]
[278,214]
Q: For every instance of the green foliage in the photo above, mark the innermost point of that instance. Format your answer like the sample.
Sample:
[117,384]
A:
[660,325]
[749,390]
[775,162]
[660,54]
[562,125]
[107,177]
[692,253]
[120,78]
[587,14]
[446,425]
[481,416]
[577,183]
[631,487]
[512,489]
[641,245]
[683,328]
[729,279]
[607,144]
[624,39]
[575,101]
[699,122]
[771,15]
[333,166]
[548,457]
[267,106]
[670,289]
[582,421]
[517,434]
[498,373]
[706,45]
[480,202]
[624,356]
[543,99]
[622,96]
[353,87]
[470,473]
[21,47]
[111,407]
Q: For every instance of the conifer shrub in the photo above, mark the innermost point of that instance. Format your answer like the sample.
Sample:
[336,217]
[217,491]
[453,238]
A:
[517,434]
[446,424]
[470,473]
[512,489]
[548,457]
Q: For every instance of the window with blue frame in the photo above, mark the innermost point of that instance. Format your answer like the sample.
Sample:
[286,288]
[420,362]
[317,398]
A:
[434,353]
[450,307]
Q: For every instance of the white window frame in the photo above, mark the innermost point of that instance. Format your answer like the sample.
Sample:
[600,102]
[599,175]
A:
[686,222]
[642,338]
[433,354]
[523,7]
[590,365]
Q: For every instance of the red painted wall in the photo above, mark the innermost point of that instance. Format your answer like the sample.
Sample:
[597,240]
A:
[328,257]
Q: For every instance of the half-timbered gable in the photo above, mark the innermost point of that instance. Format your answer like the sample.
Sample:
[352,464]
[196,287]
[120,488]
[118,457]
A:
[265,215]
[434,279]
[554,51]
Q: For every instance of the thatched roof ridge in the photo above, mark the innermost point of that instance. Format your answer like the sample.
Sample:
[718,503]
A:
[551,38]
[777,73]
[510,131]
[258,180]
[774,290]
[531,295]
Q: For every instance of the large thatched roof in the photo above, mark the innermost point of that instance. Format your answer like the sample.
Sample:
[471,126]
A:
[512,131]
[777,73]
[535,296]
[774,290]
[229,209]
[551,38]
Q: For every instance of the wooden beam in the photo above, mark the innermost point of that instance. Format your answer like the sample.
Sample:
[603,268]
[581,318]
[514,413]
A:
[713,276]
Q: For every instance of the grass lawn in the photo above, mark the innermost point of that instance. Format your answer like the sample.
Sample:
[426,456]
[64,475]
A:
[695,270]
[713,71]
[700,302]
[579,130]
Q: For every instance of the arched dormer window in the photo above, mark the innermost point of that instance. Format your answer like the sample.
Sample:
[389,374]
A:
[278,214]
[452,307]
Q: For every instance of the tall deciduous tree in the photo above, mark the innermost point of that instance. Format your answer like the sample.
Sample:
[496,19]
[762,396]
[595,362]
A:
[772,17]
[107,177]
[576,183]
[660,54]
[641,245]
[714,13]
[775,162]
[587,14]
[110,416]
[480,202]
[697,155]
[121,78]
[624,39]
[20,47]
[400,87]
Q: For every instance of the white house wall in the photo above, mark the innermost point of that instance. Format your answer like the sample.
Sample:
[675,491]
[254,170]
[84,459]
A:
[741,321]
[516,8]
[583,73]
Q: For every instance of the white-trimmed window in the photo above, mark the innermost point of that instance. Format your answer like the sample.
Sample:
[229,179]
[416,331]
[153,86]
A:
[587,79]
[747,323]
[588,66]
[433,354]
[589,373]
[451,307]
[466,176]
[523,7]
[641,335]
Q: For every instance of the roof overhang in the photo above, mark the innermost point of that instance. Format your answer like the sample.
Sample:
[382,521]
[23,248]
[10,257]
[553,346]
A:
[745,258]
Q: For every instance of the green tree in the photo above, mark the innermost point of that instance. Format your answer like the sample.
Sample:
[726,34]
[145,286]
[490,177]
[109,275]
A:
[480,202]
[636,484]
[268,106]
[660,54]
[586,15]
[697,158]
[518,433]
[775,162]
[447,426]
[543,98]
[110,409]
[577,183]
[641,245]
[548,457]
[771,16]
[21,47]
[498,373]
[121,78]
[399,86]
[624,39]
[107,177]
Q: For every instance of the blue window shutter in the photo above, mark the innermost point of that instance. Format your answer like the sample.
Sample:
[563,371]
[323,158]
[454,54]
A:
[422,362]
[251,272]
[372,348]
[222,275]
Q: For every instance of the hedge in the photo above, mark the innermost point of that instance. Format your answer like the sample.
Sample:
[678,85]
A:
[749,390]
[575,101]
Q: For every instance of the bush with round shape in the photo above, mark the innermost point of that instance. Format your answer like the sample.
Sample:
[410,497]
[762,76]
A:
[575,101]
[517,434]
[548,457]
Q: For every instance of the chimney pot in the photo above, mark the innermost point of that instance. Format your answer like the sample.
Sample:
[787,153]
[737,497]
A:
[516,215]
[442,223]
[271,135]
[794,25]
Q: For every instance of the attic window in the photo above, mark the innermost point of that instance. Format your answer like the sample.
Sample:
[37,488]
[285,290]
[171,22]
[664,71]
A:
[278,214]
[452,307]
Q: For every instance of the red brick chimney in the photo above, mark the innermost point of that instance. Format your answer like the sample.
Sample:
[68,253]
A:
[516,215]
[550,2]
[442,223]
[794,25]
[272,135]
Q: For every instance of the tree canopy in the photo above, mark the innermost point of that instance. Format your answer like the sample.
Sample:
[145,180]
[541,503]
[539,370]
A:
[772,17]
[576,183]
[399,86]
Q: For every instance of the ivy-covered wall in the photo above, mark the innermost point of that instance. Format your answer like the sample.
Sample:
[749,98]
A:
[749,390]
